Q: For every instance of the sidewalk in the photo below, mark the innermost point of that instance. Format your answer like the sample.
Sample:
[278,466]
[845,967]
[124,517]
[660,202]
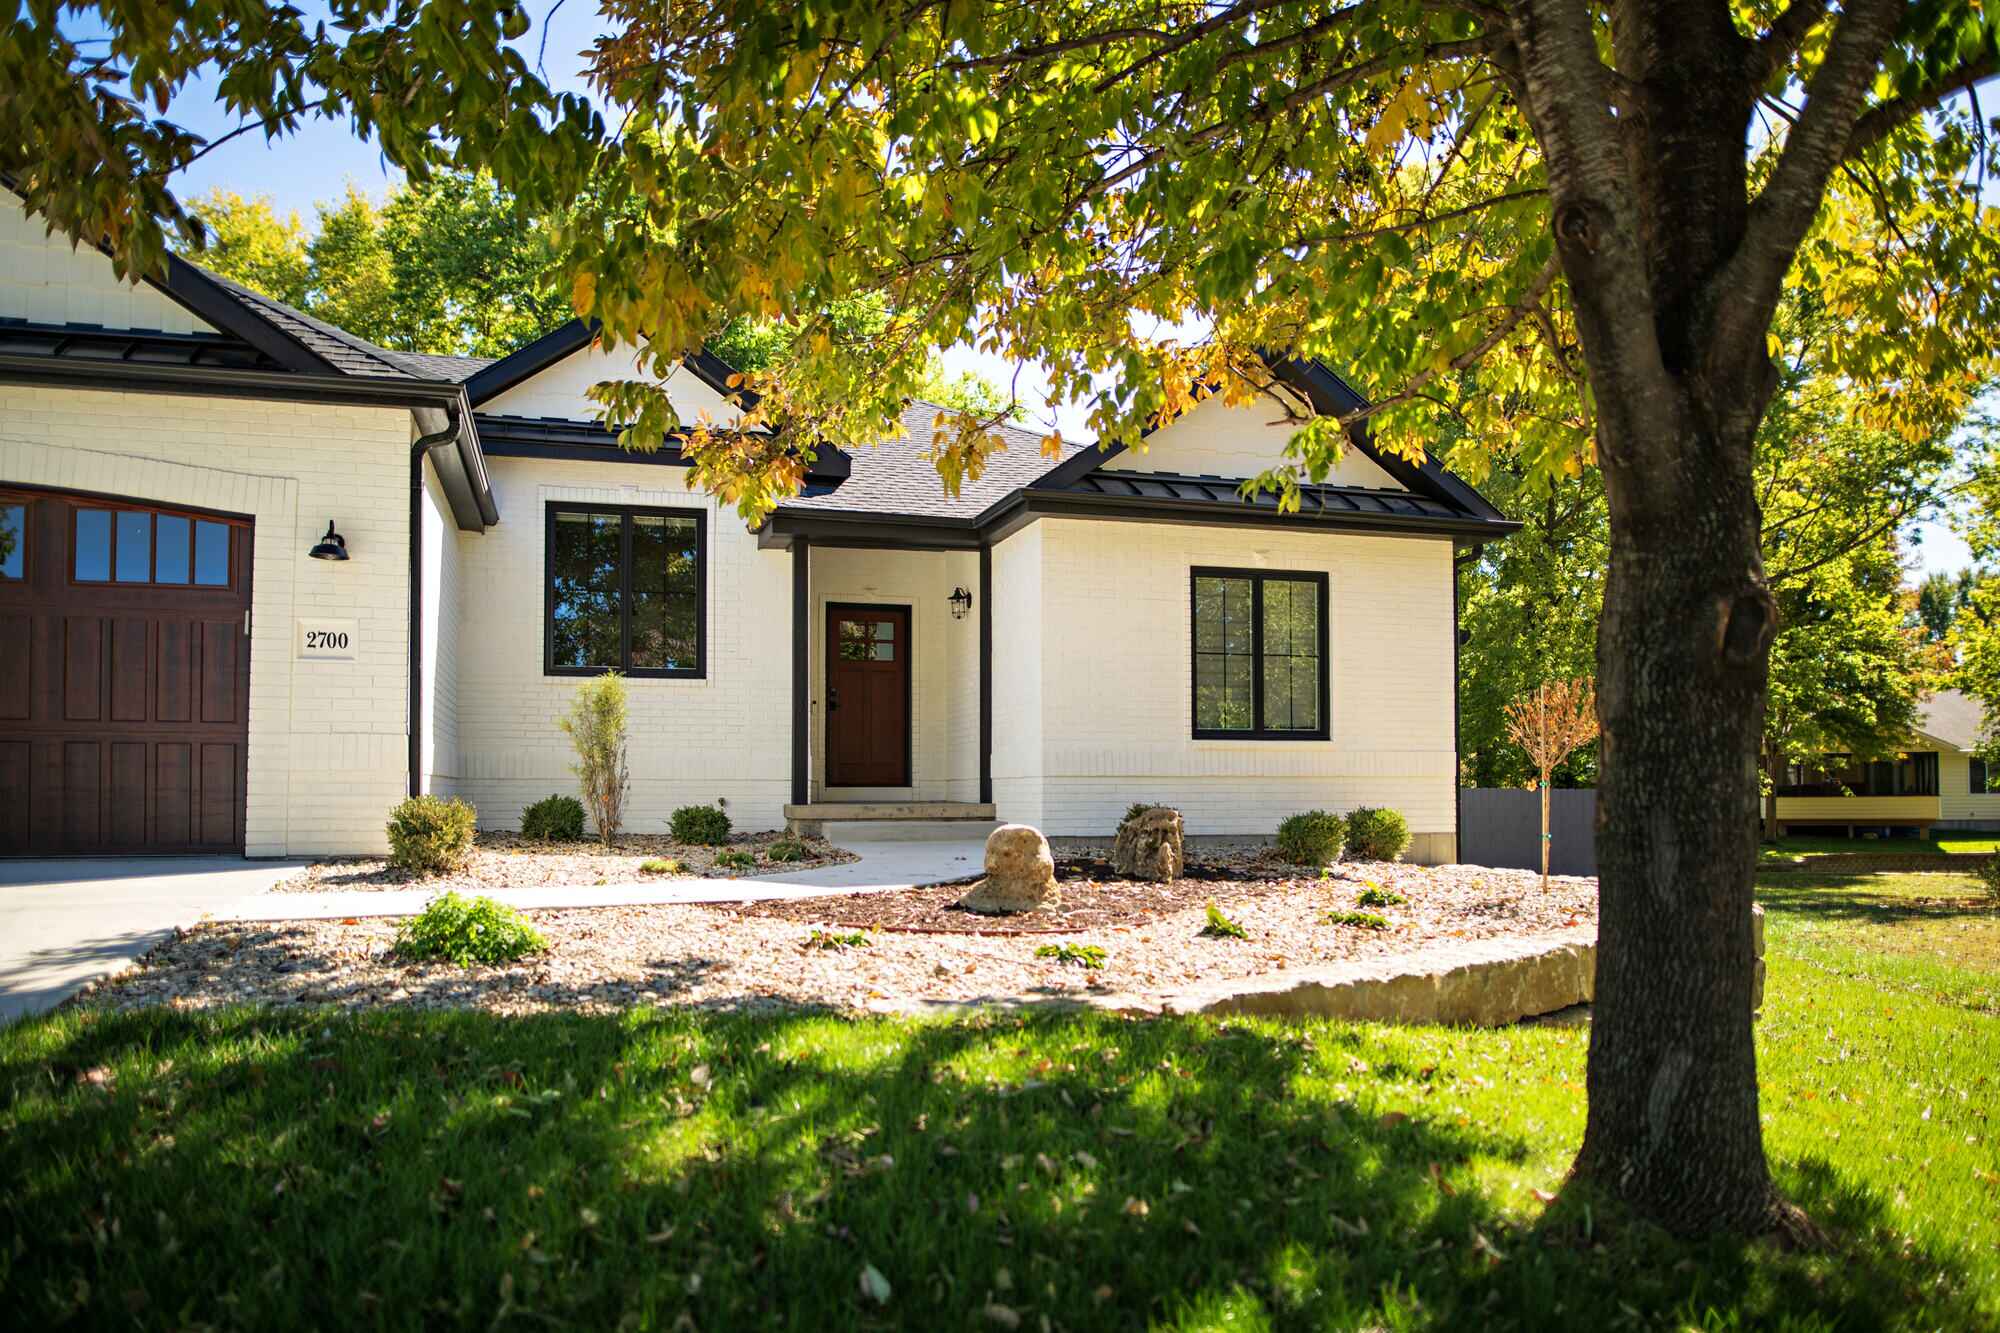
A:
[884,867]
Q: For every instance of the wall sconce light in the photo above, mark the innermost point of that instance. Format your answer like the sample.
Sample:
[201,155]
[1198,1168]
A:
[333,546]
[961,602]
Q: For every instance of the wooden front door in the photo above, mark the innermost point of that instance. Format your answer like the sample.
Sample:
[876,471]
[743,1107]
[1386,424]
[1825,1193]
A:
[124,677]
[867,696]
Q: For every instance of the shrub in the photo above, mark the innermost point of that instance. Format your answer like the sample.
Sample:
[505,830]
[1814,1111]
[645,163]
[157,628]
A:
[732,859]
[1312,839]
[788,848]
[596,727]
[553,819]
[1133,811]
[1377,896]
[1089,957]
[467,931]
[1221,927]
[654,865]
[430,835]
[826,939]
[1989,877]
[1377,834]
[703,825]
[1366,920]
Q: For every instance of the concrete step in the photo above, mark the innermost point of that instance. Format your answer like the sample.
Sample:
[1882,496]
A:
[842,811]
[846,831]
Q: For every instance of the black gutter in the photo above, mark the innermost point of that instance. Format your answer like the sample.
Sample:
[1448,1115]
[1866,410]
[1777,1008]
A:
[1018,509]
[420,449]
[228,382]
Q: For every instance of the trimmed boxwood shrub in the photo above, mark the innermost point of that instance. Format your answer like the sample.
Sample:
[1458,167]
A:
[429,835]
[553,819]
[704,825]
[1313,838]
[1377,834]
[467,931]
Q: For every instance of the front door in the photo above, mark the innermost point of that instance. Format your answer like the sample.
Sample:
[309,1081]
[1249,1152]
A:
[867,696]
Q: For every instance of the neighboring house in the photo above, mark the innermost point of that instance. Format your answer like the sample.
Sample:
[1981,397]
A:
[1935,783]
[1067,636]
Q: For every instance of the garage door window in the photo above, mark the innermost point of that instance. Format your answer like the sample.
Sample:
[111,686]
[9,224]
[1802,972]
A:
[13,541]
[134,546]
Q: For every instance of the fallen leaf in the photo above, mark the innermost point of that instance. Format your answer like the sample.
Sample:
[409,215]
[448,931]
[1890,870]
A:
[1437,1177]
[1001,1315]
[873,1285]
[1136,1208]
[1392,1119]
[1544,1196]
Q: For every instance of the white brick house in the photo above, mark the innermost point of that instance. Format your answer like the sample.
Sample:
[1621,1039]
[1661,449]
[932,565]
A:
[178,672]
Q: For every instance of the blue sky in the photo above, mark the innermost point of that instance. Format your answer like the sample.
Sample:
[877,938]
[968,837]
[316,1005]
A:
[324,158]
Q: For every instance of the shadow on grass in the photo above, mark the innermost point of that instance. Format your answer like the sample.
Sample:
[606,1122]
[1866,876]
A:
[1863,898]
[456,1169]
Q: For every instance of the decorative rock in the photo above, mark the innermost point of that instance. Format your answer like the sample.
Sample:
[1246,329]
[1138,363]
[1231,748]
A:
[1148,846]
[1020,874]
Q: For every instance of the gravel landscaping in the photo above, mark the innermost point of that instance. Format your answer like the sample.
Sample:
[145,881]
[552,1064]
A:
[749,957]
[510,861]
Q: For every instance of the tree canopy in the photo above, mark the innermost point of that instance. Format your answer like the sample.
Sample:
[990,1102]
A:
[1596,207]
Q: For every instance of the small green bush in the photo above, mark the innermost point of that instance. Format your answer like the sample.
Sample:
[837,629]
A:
[1089,957]
[732,859]
[1312,839]
[1133,811]
[788,848]
[1377,896]
[467,931]
[1366,920]
[1377,834]
[654,865]
[431,835]
[702,825]
[1989,878]
[826,939]
[553,819]
[1221,927]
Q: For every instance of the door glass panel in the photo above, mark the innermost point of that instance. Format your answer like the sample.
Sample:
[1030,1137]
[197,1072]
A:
[135,547]
[93,545]
[171,553]
[13,541]
[584,565]
[211,554]
[885,652]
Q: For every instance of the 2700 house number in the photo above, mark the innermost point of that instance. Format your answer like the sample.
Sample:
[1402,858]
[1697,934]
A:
[325,639]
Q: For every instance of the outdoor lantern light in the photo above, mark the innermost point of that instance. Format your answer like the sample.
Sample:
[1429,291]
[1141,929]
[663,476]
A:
[333,546]
[961,602]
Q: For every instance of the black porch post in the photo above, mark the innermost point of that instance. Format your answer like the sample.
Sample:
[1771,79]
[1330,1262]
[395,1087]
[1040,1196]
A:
[985,675]
[801,629]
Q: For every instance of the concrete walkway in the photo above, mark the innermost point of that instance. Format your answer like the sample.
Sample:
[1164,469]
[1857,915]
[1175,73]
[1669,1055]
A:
[63,923]
[886,866]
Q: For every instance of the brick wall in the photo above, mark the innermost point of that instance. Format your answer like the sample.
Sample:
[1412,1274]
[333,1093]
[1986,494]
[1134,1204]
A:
[327,751]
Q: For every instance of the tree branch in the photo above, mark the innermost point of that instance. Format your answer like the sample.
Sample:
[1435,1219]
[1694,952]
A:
[1429,220]
[1875,124]
[1786,33]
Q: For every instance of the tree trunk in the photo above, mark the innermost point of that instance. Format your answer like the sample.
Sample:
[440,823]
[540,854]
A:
[1682,664]
[1545,830]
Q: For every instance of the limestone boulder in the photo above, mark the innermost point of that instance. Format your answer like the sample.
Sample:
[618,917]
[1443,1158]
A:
[1020,874]
[1148,846]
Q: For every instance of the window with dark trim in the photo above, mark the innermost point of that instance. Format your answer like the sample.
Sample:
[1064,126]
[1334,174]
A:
[1260,650]
[626,591]
[1979,785]
[148,546]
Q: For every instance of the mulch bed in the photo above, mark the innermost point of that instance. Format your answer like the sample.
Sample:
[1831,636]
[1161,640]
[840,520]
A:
[1093,895]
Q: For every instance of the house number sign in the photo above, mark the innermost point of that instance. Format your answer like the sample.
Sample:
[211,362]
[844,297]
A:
[327,640]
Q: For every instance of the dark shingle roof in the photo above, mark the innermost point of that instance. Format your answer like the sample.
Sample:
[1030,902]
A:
[345,352]
[437,365]
[895,476]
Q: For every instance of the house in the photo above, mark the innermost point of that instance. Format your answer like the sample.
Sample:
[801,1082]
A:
[1936,782]
[265,578]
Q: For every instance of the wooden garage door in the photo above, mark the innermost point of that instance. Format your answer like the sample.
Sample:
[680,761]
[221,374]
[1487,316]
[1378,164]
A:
[124,676]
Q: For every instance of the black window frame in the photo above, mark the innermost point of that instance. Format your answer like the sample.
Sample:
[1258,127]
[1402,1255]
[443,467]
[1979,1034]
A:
[1258,731]
[625,515]
[1978,779]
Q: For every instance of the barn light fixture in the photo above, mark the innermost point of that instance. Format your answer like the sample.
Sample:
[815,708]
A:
[961,602]
[333,546]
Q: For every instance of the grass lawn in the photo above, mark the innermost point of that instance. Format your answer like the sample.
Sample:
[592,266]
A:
[668,1169]
[1942,844]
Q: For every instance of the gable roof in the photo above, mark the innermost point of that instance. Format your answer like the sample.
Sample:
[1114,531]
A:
[1952,716]
[897,476]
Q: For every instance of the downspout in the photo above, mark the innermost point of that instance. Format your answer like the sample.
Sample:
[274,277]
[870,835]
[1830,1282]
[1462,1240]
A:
[1458,562]
[419,451]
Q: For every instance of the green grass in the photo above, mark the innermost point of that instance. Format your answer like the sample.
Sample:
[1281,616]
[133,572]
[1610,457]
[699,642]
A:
[1943,844]
[450,1170]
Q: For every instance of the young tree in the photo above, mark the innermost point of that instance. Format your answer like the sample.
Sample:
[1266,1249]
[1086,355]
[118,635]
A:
[1548,724]
[1062,181]
[596,728]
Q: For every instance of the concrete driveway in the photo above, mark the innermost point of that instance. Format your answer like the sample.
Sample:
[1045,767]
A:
[63,923]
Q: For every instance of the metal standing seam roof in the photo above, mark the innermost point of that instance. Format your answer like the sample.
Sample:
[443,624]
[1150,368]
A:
[1225,490]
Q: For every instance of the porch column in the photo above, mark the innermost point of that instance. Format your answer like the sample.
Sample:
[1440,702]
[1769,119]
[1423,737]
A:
[801,669]
[985,675]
